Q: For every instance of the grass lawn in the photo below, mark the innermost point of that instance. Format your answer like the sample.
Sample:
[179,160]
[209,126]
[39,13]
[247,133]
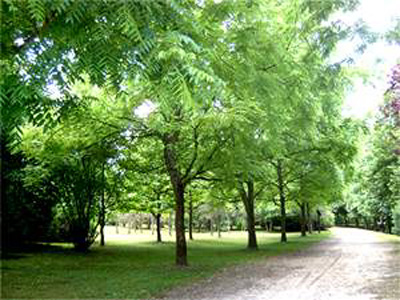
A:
[132,266]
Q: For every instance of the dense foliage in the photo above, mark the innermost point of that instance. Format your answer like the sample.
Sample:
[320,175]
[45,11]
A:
[228,110]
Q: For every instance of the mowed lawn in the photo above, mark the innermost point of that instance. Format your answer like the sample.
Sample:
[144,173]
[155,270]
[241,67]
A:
[132,266]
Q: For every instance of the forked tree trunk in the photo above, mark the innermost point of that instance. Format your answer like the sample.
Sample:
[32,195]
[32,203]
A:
[248,201]
[179,193]
[282,202]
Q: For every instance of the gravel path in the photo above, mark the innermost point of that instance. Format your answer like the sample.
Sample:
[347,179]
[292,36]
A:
[354,264]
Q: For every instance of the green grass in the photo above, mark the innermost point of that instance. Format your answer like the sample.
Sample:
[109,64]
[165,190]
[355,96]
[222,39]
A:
[392,238]
[132,266]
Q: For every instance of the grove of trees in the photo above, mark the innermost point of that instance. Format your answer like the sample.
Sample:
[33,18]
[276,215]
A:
[227,113]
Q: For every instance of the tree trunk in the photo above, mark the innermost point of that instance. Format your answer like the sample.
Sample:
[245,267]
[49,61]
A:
[158,221]
[170,223]
[282,202]
[319,221]
[366,223]
[181,250]
[152,225]
[179,193]
[134,223]
[190,216]
[102,221]
[211,227]
[309,220]
[219,225]
[303,219]
[389,224]
[248,201]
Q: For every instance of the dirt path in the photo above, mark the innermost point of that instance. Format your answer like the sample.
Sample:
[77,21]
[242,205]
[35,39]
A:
[355,264]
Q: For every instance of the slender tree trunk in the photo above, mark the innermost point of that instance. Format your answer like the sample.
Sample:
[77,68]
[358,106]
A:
[134,223]
[309,219]
[282,201]
[211,227]
[170,223]
[366,223]
[190,216]
[179,193]
[389,224]
[181,250]
[102,220]
[319,220]
[158,222]
[303,219]
[152,224]
[376,227]
[248,201]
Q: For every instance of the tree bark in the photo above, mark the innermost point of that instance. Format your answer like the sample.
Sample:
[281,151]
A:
[319,221]
[303,219]
[309,220]
[179,193]
[190,216]
[158,222]
[102,221]
[282,202]
[389,224]
[248,201]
